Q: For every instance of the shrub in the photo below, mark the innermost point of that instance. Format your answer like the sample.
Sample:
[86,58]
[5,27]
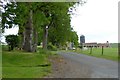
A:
[4,47]
[41,51]
[12,41]
[50,46]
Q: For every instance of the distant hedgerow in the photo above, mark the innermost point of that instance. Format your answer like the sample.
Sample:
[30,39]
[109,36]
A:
[12,41]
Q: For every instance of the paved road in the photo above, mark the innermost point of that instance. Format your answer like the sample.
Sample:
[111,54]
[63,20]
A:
[96,67]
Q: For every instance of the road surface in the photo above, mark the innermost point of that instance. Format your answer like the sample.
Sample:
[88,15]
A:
[84,66]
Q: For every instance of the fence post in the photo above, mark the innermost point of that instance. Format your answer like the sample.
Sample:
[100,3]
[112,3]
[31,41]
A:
[102,49]
[90,49]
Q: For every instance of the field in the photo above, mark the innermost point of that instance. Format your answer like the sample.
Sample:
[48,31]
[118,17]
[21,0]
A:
[114,45]
[19,64]
[108,53]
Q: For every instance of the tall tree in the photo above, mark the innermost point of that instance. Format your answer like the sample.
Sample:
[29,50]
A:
[74,38]
[54,12]
[34,17]
[29,31]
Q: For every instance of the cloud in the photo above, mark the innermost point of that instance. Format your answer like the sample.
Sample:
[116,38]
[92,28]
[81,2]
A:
[13,30]
[97,20]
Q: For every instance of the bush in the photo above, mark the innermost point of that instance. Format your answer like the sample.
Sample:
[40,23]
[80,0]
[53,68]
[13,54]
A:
[51,47]
[4,47]
[12,41]
[41,51]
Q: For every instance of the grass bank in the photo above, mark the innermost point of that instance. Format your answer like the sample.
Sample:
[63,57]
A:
[108,53]
[19,64]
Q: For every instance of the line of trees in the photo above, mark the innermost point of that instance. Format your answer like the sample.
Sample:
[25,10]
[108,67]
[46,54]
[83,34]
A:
[40,22]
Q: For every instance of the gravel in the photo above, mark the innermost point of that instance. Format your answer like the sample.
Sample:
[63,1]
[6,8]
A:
[73,65]
[64,68]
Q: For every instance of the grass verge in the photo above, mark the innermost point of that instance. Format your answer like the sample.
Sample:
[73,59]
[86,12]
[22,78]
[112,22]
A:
[108,53]
[19,64]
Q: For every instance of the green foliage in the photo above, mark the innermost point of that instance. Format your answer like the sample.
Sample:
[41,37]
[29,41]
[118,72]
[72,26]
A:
[40,36]
[39,19]
[12,41]
[40,50]
[59,32]
[74,38]
[21,19]
[50,46]
[8,16]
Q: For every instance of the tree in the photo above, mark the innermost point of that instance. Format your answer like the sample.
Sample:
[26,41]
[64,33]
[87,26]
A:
[58,18]
[8,15]
[74,38]
[12,41]
[25,22]
[11,16]
[59,33]
[34,17]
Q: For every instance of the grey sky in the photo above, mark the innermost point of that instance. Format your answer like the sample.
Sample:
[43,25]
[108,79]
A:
[97,20]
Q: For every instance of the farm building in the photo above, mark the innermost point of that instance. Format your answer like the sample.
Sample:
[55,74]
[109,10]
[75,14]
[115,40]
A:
[95,44]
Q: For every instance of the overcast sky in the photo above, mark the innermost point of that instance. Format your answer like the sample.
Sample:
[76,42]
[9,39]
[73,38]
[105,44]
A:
[97,20]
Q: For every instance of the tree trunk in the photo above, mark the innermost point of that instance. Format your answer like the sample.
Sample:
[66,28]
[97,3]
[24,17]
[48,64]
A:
[21,38]
[35,40]
[29,34]
[45,35]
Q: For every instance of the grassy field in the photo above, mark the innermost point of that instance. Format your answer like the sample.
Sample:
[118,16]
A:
[19,64]
[108,53]
[114,45]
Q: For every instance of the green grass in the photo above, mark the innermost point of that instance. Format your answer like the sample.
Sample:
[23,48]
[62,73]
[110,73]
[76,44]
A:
[108,53]
[19,64]
[114,45]
[25,72]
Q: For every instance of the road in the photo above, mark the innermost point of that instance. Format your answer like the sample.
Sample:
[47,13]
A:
[85,66]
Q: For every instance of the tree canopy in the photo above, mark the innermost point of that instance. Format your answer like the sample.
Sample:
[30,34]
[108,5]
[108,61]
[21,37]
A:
[40,22]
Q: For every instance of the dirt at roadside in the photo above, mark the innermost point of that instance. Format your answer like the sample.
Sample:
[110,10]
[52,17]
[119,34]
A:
[65,68]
